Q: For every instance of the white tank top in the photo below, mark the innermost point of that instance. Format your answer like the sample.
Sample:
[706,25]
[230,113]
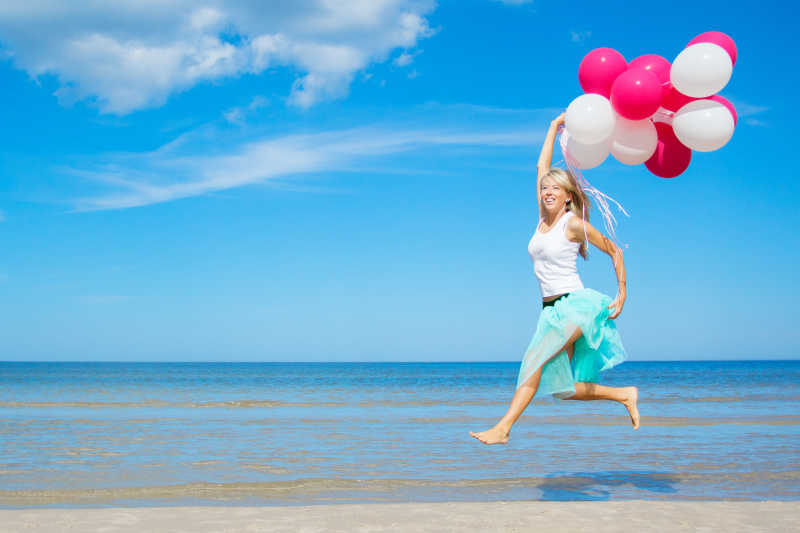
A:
[555,259]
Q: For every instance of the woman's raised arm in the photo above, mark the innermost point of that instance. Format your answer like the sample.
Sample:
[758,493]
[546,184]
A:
[546,158]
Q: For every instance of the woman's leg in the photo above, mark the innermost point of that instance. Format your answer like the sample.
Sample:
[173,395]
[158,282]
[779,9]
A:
[627,396]
[522,397]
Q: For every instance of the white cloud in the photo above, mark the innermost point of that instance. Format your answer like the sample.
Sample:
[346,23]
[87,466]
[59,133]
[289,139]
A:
[184,168]
[133,54]
[404,59]
[755,122]
[748,112]
[579,36]
[237,115]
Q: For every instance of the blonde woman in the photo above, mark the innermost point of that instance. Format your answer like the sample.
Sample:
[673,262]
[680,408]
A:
[575,337]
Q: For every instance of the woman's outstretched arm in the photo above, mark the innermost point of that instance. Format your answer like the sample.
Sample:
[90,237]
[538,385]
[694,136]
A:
[546,158]
[576,228]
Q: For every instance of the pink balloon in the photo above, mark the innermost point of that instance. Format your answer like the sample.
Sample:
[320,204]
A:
[671,157]
[636,94]
[718,38]
[655,64]
[724,101]
[598,70]
[674,99]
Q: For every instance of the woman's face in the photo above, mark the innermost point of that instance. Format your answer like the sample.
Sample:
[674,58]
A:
[554,197]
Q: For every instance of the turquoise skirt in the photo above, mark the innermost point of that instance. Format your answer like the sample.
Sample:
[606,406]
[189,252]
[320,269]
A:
[598,349]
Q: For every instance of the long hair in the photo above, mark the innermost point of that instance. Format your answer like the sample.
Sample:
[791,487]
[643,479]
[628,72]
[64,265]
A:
[579,204]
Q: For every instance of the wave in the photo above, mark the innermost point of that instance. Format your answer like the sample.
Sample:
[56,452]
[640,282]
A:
[310,422]
[332,489]
[247,404]
[397,403]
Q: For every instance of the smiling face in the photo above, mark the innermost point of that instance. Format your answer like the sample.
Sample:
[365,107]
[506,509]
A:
[554,196]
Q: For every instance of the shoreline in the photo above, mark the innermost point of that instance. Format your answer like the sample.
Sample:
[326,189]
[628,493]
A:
[608,516]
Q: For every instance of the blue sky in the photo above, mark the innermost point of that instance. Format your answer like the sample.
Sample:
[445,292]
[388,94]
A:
[239,181]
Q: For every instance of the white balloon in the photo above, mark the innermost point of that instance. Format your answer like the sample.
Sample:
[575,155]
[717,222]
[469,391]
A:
[701,70]
[590,118]
[584,156]
[703,125]
[634,141]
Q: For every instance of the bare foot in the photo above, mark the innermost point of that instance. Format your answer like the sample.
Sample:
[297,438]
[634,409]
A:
[630,405]
[496,435]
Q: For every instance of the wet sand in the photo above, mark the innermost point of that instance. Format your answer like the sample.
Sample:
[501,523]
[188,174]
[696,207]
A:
[477,516]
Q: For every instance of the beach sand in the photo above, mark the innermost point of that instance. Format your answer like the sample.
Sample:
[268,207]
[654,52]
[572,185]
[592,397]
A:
[666,516]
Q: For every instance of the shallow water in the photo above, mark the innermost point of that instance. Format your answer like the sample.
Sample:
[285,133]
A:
[273,433]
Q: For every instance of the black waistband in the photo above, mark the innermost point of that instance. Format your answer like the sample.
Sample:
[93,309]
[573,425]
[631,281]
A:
[551,303]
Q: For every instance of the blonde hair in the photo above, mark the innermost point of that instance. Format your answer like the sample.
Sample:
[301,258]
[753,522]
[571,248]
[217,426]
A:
[579,204]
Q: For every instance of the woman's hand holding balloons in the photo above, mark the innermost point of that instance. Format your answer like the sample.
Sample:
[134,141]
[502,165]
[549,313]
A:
[616,305]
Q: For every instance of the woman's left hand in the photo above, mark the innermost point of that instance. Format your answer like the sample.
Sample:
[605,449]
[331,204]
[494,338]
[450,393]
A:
[616,305]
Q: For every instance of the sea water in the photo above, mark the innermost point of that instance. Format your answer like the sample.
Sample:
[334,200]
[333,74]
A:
[293,433]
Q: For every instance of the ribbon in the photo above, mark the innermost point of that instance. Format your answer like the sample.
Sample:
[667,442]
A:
[601,199]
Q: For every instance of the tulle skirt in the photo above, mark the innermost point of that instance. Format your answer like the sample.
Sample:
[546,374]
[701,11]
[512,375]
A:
[598,349]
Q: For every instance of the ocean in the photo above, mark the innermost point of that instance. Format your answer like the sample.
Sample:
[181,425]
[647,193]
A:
[110,434]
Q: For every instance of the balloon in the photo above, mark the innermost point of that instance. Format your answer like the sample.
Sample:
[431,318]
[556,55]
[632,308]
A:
[634,141]
[718,38]
[671,158]
[703,125]
[674,99]
[590,118]
[655,64]
[584,156]
[701,70]
[598,70]
[636,93]
[724,101]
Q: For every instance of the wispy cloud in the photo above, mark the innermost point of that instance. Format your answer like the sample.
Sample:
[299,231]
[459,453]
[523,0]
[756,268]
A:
[183,169]
[237,115]
[755,122]
[403,59]
[579,36]
[406,58]
[748,112]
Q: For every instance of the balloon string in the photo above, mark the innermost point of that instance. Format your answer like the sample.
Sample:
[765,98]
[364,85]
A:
[601,199]
[663,115]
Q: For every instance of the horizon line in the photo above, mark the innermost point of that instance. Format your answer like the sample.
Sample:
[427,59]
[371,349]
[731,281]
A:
[381,362]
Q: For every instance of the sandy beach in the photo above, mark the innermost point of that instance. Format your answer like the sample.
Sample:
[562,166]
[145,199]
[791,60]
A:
[479,516]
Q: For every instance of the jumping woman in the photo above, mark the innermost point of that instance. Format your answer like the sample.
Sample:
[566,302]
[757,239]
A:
[575,337]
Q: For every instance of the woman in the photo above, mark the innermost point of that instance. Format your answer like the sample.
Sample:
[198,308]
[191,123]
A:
[575,338]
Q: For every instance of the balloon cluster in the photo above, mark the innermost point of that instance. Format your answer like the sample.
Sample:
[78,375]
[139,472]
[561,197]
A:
[648,111]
